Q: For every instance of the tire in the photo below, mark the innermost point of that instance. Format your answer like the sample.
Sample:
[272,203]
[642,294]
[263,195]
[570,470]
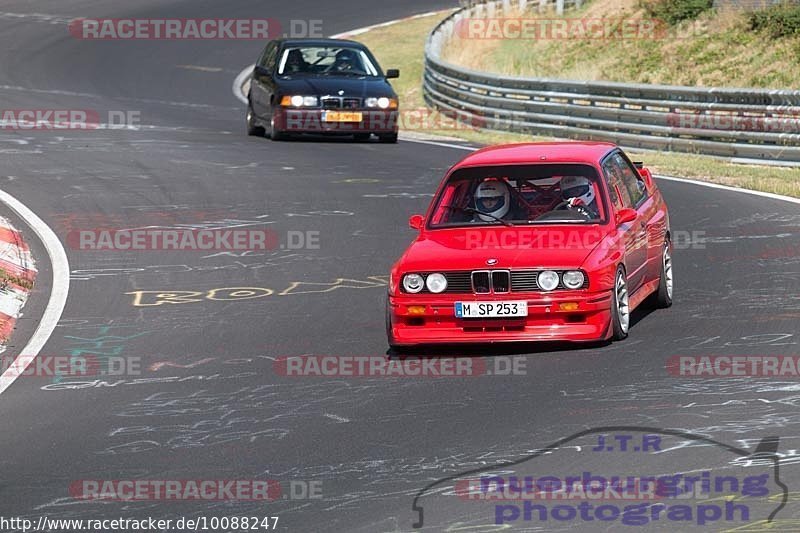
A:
[253,129]
[663,297]
[388,139]
[274,133]
[389,338]
[620,306]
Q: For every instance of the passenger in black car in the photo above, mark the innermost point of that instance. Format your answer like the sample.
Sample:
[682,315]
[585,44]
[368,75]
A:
[295,62]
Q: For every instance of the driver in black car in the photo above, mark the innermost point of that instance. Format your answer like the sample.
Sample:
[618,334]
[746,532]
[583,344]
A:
[346,60]
[578,195]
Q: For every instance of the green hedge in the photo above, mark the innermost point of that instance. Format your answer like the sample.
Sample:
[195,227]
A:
[781,20]
[675,11]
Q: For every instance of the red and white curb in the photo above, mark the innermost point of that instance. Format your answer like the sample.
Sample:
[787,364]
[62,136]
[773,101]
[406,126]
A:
[59,288]
[17,275]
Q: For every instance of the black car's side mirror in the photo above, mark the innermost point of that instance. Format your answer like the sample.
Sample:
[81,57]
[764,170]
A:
[392,73]
[261,71]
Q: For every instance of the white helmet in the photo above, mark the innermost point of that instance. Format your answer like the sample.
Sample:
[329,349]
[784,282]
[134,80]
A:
[577,190]
[492,197]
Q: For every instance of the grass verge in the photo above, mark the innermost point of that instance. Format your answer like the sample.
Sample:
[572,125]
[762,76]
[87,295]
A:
[402,46]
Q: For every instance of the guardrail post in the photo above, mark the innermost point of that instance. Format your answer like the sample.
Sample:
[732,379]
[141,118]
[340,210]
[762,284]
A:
[506,7]
[542,5]
[559,7]
[490,8]
[523,4]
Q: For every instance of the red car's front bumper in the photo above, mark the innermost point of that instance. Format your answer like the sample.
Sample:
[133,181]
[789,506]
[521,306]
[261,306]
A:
[546,321]
[312,121]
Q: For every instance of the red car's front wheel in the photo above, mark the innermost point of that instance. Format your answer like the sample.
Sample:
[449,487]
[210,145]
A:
[664,294]
[620,306]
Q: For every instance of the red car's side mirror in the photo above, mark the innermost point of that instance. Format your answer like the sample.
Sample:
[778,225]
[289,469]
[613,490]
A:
[416,222]
[647,176]
[627,215]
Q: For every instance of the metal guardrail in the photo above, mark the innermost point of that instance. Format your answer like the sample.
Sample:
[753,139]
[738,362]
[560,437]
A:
[743,123]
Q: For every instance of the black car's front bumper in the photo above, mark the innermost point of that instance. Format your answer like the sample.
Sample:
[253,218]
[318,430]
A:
[380,122]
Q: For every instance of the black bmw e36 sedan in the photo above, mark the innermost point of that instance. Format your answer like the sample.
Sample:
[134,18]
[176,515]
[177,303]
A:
[321,86]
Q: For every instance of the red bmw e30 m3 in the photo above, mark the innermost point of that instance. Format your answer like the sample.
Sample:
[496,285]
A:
[539,241]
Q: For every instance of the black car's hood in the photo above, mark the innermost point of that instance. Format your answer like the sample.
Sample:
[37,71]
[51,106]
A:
[331,85]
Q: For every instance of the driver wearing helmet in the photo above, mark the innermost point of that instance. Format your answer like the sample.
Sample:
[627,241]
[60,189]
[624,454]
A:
[492,200]
[345,60]
[295,62]
[578,195]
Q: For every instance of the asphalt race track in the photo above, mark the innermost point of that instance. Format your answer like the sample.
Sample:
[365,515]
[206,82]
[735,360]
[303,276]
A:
[222,411]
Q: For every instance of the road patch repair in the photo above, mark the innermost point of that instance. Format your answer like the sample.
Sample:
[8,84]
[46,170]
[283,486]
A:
[17,275]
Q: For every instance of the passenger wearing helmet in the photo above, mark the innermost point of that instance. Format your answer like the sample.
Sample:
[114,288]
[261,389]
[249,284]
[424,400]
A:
[578,195]
[492,198]
[345,60]
[295,62]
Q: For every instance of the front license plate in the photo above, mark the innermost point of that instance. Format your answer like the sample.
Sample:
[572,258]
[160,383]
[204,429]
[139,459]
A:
[338,116]
[491,309]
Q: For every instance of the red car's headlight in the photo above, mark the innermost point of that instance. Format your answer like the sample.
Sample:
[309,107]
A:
[573,279]
[548,280]
[436,283]
[413,283]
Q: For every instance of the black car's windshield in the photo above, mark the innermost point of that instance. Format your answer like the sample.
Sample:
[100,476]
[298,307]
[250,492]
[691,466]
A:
[326,61]
[520,194]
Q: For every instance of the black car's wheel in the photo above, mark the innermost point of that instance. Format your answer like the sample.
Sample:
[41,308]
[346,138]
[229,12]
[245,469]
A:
[663,297]
[620,306]
[253,129]
[274,133]
[388,139]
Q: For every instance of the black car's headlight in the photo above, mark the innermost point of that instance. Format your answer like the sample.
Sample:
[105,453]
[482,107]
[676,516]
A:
[299,101]
[381,103]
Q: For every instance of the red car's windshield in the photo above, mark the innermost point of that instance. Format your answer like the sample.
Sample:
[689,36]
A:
[520,194]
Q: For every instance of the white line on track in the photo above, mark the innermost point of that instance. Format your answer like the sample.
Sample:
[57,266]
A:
[769,195]
[58,291]
[241,79]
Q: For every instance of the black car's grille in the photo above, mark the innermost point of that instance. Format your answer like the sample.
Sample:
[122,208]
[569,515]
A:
[495,281]
[331,103]
[335,102]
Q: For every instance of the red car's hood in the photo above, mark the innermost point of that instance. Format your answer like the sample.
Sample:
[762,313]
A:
[518,247]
